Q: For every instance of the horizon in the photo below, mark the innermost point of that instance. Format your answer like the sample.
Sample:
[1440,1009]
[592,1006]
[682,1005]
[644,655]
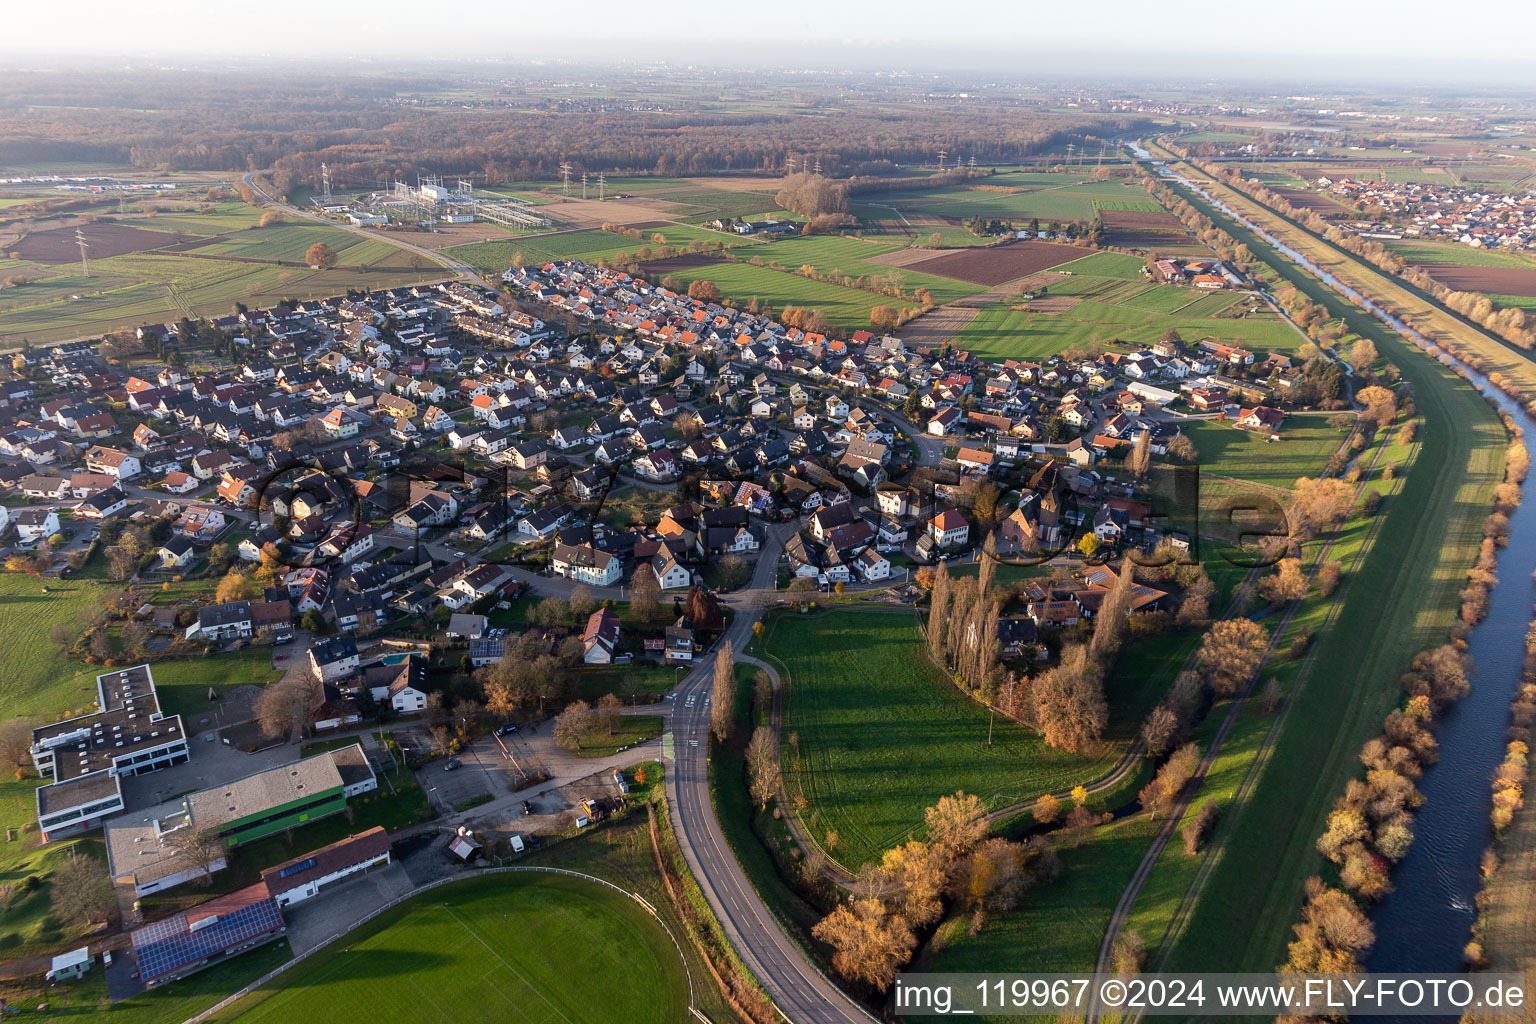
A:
[1123,43]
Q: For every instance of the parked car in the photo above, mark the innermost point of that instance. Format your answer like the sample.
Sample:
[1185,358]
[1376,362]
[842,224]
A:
[533,840]
[282,638]
[506,728]
[453,764]
[527,807]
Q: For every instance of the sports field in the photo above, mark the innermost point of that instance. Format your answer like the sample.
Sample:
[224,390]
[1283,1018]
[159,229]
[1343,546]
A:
[873,733]
[529,948]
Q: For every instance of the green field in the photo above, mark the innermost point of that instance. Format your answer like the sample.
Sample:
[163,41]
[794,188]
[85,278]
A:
[851,256]
[41,684]
[524,947]
[1463,255]
[587,246]
[847,308]
[1048,197]
[1305,445]
[873,733]
[1120,311]
[142,287]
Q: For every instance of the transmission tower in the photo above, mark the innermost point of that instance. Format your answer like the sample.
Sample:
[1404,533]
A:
[325,184]
[1102,144]
[1070,147]
[565,178]
[973,161]
[85,266]
[602,188]
[583,184]
[942,154]
[789,164]
[818,165]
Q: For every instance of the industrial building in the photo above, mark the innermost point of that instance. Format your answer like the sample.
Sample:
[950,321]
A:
[85,756]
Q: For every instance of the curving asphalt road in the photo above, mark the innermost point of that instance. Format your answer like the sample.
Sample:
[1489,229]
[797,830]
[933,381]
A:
[799,990]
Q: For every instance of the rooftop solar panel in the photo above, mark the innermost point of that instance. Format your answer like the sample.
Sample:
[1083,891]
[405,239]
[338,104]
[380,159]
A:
[167,945]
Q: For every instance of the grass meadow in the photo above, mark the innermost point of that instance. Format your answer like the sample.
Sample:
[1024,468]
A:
[873,733]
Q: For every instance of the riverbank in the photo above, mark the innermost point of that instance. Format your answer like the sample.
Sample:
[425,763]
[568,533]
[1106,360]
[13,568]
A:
[1409,599]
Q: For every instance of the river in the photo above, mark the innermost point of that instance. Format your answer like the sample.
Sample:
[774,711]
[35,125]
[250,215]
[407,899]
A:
[1424,925]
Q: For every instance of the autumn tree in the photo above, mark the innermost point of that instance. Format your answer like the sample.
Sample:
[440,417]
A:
[868,942]
[1286,584]
[581,601]
[702,608]
[320,256]
[1320,502]
[81,890]
[1110,622]
[1362,354]
[762,765]
[1140,459]
[706,291]
[1047,809]
[722,710]
[1231,653]
[956,824]
[916,873]
[1161,795]
[1069,702]
[235,586]
[1380,405]
[884,318]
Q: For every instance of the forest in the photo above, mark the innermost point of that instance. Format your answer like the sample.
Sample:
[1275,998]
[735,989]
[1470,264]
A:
[366,130]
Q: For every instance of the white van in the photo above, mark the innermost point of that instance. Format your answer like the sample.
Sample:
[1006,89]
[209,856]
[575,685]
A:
[517,844]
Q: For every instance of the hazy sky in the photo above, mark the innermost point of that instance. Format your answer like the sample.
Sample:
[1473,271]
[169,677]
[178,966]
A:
[1481,39]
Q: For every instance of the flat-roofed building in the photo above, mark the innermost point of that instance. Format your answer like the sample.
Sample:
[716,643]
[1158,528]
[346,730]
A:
[141,848]
[84,756]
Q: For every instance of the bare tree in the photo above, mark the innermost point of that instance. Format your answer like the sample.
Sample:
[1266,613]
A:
[608,712]
[571,724]
[16,741]
[81,890]
[198,848]
[762,765]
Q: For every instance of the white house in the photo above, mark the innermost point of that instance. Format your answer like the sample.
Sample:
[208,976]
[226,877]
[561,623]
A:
[35,524]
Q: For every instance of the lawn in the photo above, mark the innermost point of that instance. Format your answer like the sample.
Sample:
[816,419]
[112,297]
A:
[41,684]
[631,731]
[1305,445]
[526,947]
[593,681]
[873,733]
